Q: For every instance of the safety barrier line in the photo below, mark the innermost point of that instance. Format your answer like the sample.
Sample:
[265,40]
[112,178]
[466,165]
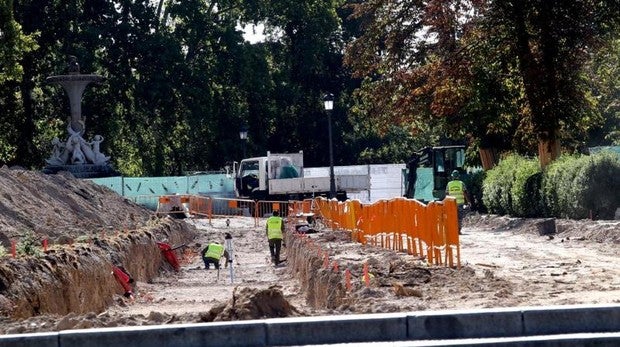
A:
[404,225]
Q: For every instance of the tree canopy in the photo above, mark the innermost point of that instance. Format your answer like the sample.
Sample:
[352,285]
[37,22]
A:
[181,80]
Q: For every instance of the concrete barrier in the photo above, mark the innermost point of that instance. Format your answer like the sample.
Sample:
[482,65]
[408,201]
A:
[571,319]
[465,324]
[532,326]
[336,329]
[243,333]
[572,340]
[30,340]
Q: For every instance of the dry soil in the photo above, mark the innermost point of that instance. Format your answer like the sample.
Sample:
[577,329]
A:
[504,262]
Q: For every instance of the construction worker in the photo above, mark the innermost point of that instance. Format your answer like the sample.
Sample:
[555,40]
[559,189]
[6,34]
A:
[212,255]
[275,234]
[457,189]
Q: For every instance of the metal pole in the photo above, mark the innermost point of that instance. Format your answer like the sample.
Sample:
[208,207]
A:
[332,182]
[243,146]
[229,249]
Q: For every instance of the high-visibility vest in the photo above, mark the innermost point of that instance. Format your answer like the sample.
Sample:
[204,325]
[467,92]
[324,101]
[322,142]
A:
[214,251]
[456,189]
[274,228]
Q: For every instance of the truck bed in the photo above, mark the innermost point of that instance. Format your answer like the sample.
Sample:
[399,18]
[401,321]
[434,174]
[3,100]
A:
[349,183]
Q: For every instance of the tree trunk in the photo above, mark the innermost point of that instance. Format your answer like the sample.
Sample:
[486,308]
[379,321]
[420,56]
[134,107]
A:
[548,151]
[489,158]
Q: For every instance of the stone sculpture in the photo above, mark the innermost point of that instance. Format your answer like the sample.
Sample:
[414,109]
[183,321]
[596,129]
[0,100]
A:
[83,158]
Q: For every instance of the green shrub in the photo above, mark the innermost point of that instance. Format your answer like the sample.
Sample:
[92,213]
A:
[555,197]
[525,192]
[3,252]
[29,244]
[596,187]
[498,184]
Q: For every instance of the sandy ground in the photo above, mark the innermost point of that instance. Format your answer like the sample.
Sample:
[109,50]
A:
[195,289]
[503,265]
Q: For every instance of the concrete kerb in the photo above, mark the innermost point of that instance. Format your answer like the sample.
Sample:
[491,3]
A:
[460,324]
[337,329]
[571,319]
[242,333]
[503,324]
[30,340]
[565,340]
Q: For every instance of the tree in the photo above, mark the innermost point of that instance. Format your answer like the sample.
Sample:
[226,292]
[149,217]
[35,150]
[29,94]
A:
[512,65]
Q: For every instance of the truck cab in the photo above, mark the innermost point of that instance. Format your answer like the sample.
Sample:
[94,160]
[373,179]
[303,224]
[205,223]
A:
[253,176]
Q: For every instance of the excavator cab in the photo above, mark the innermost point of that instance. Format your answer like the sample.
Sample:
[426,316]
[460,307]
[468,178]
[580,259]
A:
[429,169]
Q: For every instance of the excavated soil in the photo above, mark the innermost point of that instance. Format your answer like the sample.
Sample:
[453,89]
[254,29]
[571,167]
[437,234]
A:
[505,262]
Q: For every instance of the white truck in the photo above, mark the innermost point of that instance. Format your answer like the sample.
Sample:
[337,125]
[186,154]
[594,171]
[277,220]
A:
[280,177]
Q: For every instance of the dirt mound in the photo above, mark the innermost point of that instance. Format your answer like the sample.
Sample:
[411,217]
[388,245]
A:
[593,230]
[61,208]
[252,303]
[87,228]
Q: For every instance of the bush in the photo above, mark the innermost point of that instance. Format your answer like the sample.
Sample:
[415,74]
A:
[29,244]
[525,192]
[596,187]
[3,252]
[557,172]
[498,184]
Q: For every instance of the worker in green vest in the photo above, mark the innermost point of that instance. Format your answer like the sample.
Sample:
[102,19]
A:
[457,189]
[275,234]
[212,255]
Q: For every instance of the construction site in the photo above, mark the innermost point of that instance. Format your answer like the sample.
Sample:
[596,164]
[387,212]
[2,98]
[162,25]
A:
[62,238]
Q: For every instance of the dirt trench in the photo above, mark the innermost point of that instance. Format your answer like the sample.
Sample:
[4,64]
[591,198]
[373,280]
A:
[324,288]
[77,278]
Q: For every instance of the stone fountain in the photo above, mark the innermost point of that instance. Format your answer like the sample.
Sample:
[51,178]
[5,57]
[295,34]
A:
[80,157]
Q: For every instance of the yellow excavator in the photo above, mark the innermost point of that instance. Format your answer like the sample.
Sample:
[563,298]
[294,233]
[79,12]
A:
[428,171]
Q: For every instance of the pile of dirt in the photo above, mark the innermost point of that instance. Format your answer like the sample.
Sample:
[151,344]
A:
[251,303]
[69,233]
[61,208]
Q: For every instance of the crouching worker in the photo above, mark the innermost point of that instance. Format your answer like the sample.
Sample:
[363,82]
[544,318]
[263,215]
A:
[212,255]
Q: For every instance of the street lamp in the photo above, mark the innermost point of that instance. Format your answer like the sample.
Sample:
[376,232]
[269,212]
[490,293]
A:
[243,135]
[328,101]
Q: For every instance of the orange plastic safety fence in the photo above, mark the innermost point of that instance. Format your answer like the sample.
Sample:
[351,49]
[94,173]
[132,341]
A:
[404,225]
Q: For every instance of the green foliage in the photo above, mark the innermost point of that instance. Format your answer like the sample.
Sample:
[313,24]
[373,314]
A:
[525,191]
[513,187]
[498,184]
[596,187]
[29,244]
[503,72]
[3,252]
[571,187]
[557,185]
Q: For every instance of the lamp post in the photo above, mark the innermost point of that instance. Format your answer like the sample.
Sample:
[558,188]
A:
[243,135]
[328,101]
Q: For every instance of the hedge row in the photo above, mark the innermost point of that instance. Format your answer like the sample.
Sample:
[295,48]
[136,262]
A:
[572,186]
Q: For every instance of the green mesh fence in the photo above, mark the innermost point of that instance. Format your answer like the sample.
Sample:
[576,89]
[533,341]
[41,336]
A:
[146,190]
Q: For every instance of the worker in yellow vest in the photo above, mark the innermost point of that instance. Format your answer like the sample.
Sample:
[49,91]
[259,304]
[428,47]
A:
[457,189]
[275,234]
[212,255]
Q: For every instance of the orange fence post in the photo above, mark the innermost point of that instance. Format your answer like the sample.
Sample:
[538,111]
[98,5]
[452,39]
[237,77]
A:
[347,279]
[44,245]
[366,276]
[452,232]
